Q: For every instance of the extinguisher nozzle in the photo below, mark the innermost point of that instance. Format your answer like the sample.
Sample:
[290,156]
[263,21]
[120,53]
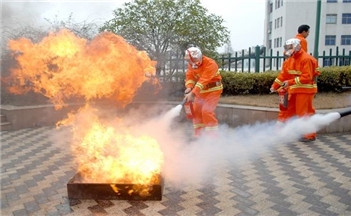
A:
[184,101]
[345,113]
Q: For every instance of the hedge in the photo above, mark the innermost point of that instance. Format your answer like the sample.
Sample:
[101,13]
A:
[332,79]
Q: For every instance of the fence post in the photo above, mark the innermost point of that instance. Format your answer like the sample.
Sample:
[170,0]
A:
[222,62]
[229,62]
[257,59]
[336,55]
[249,59]
[323,63]
[277,60]
[236,61]
[271,59]
[264,58]
[242,61]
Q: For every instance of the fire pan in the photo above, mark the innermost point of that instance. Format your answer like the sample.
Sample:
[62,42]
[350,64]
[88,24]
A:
[113,191]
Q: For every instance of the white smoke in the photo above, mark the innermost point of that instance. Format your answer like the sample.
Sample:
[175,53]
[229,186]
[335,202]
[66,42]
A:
[194,162]
[190,162]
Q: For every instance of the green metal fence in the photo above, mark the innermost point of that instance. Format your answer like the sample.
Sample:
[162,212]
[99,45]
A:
[253,61]
[260,60]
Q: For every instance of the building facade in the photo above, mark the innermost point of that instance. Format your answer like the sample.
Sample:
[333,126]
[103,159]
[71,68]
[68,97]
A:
[283,17]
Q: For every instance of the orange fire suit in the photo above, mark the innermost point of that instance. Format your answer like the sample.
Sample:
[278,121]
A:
[300,71]
[303,41]
[205,82]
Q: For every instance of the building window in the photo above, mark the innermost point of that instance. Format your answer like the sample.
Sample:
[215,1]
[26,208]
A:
[281,21]
[331,19]
[332,1]
[281,3]
[346,1]
[270,7]
[280,42]
[345,39]
[270,27]
[346,18]
[270,44]
[330,40]
[328,62]
[344,61]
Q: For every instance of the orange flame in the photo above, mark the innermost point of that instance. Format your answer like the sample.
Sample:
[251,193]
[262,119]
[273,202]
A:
[63,66]
[107,153]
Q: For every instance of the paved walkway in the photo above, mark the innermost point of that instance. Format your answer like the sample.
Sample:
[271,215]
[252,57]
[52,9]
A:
[295,179]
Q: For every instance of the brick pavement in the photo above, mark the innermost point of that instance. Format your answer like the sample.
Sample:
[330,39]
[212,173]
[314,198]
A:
[295,179]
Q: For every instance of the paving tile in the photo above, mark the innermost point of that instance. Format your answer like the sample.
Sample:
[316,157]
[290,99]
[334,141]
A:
[292,179]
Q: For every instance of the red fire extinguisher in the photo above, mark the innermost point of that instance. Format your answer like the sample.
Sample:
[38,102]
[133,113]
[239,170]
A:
[283,99]
[188,107]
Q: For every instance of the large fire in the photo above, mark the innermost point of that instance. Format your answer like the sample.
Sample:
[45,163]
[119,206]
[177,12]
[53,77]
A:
[63,66]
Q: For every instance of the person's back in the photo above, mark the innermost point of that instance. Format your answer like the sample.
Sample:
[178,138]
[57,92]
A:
[303,32]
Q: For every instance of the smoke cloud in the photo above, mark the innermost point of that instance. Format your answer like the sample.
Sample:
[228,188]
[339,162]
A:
[194,162]
[189,162]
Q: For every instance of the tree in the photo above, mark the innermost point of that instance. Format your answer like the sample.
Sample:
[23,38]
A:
[82,29]
[228,48]
[161,26]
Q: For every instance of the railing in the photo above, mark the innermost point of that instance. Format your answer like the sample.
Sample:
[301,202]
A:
[258,60]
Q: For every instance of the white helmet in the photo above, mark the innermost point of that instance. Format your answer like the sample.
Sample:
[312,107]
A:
[291,46]
[194,56]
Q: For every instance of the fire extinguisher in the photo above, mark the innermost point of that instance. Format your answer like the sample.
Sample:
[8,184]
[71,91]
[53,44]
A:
[283,99]
[188,107]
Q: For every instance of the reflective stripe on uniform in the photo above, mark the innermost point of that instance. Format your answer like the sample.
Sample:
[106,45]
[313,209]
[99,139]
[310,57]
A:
[297,81]
[303,86]
[198,125]
[190,82]
[294,72]
[211,128]
[278,81]
[217,73]
[212,89]
[199,85]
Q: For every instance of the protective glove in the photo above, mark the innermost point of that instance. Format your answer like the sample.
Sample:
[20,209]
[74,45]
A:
[189,97]
[285,84]
[187,90]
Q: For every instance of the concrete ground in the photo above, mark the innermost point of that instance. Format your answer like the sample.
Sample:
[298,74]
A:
[295,179]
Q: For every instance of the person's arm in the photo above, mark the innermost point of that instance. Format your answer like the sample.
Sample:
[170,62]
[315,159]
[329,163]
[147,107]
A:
[304,44]
[190,80]
[282,76]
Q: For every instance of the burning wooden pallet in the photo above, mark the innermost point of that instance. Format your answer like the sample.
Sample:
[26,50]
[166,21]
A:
[77,189]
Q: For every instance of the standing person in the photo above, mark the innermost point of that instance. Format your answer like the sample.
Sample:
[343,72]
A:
[303,32]
[297,76]
[204,87]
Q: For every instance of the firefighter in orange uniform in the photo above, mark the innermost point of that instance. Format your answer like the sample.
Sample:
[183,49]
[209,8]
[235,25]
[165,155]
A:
[303,32]
[298,76]
[204,87]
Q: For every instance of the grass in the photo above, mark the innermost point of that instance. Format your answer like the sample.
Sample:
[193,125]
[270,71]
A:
[321,101]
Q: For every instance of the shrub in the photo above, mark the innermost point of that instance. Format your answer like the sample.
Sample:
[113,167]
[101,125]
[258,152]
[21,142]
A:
[332,79]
